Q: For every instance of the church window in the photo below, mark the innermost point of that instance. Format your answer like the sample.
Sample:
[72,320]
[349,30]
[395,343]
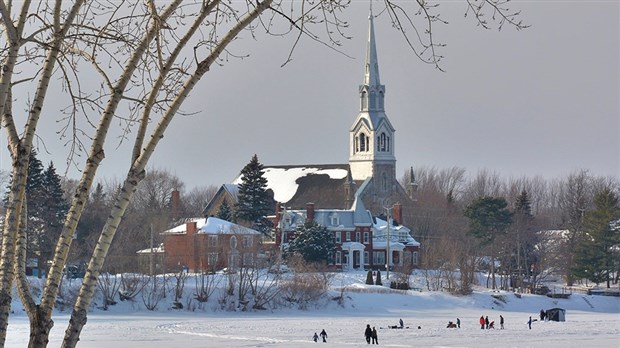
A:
[363,142]
[364,100]
[356,145]
[383,143]
[372,100]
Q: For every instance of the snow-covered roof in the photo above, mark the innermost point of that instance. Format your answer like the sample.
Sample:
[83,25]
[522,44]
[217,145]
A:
[399,233]
[219,226]
[181,229]
[212,225]
[282,180]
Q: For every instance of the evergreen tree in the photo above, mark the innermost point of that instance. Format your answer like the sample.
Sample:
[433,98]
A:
[523,237]
[90,225]
[254,202]
[224,212]
[597,255]
[369,279]
[379,282]
[53,210]
[488,219]
[313,242]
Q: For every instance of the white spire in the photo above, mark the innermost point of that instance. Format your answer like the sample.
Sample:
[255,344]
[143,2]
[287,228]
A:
[371,76]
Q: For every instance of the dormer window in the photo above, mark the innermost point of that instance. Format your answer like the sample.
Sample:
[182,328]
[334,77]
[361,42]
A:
[334,220]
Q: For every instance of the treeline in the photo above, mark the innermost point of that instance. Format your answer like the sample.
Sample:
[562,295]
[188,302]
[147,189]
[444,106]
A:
[150,212]
[559,227]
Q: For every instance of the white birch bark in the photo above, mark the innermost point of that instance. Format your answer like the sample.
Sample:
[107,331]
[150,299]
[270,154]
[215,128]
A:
[134,176]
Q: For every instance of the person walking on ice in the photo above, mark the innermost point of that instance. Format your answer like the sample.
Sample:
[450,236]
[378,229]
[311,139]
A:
[368,333]
[324,335]
[458,323]
[529,323]
[501,322]
[375,339]
[315,338]
[402,325]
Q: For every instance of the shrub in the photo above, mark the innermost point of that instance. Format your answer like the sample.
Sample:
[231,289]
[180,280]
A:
[369,279]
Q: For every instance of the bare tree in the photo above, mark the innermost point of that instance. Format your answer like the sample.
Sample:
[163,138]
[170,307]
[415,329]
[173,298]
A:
[148,57]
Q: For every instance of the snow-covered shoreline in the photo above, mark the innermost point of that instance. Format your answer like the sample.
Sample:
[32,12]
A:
[590,321]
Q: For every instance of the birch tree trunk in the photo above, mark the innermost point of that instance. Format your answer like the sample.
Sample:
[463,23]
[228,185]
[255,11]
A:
[135,175]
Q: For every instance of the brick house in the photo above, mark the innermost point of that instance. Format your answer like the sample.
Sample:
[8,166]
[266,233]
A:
[361,239]
[208,245]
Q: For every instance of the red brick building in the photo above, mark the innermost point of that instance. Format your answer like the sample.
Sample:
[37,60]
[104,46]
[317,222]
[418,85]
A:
[209,245]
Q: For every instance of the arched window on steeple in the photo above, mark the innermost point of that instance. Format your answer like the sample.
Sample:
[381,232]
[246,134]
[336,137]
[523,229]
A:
[364,100]
[383,143]
[372,100]
[363,142]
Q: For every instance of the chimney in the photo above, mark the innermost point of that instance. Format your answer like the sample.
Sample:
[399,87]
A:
[398,213]
[309,212]
[190,228]
[175,204]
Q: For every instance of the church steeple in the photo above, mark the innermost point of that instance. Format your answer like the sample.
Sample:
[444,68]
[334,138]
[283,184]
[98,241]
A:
[372,92]
[371,77]
[371,137]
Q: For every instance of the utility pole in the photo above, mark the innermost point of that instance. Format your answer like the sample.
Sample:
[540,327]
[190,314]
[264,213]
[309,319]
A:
[387,273]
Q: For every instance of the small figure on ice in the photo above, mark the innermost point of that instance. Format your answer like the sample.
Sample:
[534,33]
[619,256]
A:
[368,333]
[402,325]
[375,339]
[529,323]
[501,322]
[324,335]
[315,338]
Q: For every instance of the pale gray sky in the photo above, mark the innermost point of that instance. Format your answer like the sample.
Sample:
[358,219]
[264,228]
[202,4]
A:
[542,101]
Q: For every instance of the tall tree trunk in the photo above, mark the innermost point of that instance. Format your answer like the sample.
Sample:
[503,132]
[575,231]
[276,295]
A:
[135,175]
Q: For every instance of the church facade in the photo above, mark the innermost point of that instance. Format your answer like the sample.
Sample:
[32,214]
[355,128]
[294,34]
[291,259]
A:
[361,201]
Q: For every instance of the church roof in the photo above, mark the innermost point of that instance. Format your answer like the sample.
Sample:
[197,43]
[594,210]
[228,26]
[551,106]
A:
[296,185]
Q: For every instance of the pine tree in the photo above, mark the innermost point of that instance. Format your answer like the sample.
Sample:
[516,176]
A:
[254,202]
[53,210]
[488,219]
[369,279]
[313,242]
[91,223]
[597,255]
[224,212]
[379,282]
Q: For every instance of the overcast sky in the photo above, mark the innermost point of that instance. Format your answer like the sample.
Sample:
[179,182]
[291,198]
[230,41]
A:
[542,101]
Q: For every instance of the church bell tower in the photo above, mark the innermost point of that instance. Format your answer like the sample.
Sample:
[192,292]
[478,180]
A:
[371,137]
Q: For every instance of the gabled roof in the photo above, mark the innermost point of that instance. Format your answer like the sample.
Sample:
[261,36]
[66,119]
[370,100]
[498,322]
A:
[212,225]
[296,185]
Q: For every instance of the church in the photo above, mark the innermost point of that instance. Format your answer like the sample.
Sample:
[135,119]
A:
[361,202]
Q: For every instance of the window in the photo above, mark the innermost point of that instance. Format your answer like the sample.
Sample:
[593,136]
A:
[382,143]
[366,257]
[414,257]
[212,259]
[233,242]
[378,258]
[248,259]
[372,100]
[248,241]
[364,101]
[380,99]
[212,241]
[348,234]
[366,237]
[338,237]
[363,142]
[334,219]
[338,258]
[358,237]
